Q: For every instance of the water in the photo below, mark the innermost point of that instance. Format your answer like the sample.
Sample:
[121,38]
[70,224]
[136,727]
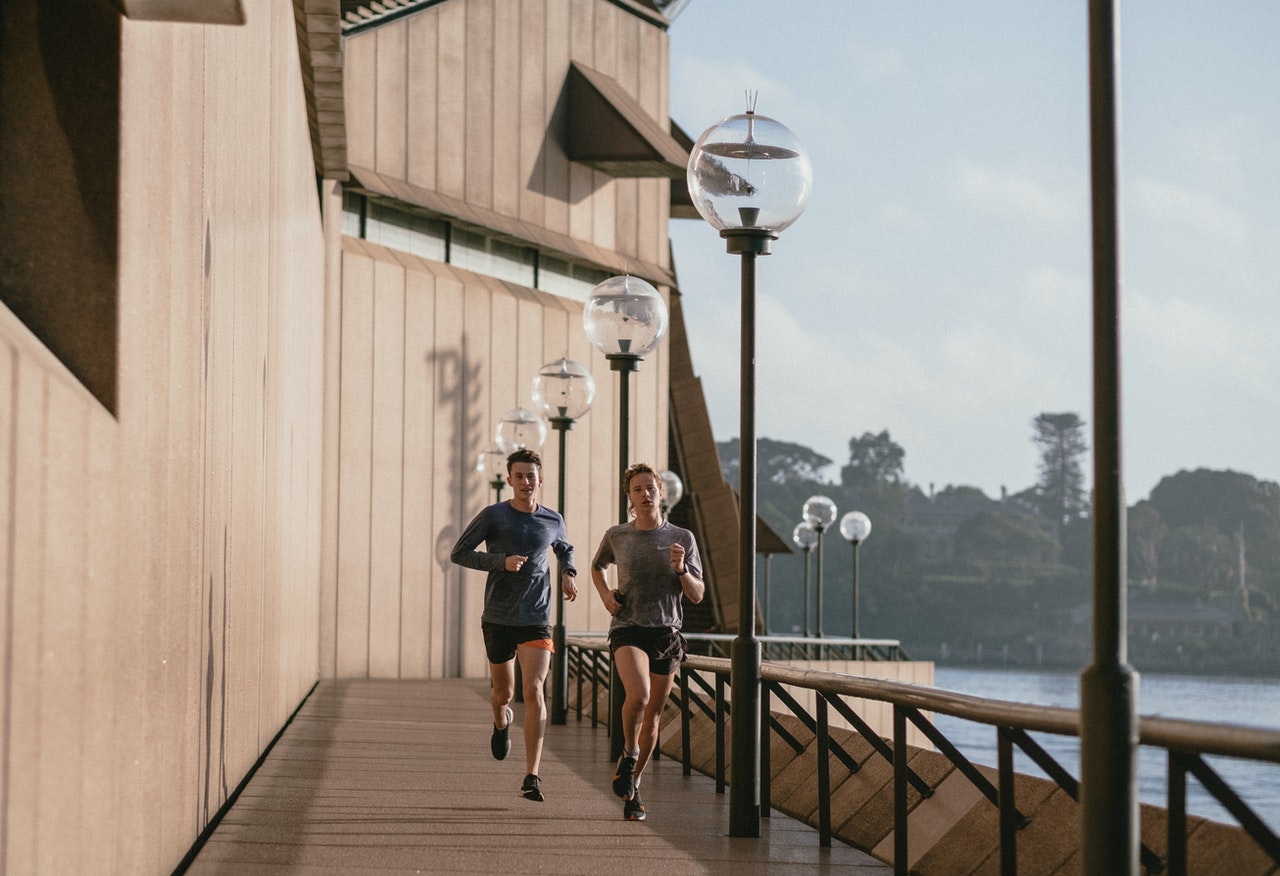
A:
[1248,702]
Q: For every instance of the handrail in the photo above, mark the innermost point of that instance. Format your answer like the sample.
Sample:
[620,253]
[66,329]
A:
[1185,741]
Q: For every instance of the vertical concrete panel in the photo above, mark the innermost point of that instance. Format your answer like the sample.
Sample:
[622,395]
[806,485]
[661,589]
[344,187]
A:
[484,352]
[555,169]
[63,622]
[422,71]
[479,97]
[536,102]
[452,124]
[386,498]
[97,811]
[359,103]
[355,465]
[505,390]
[420,583]
[508,49]
[390,113]
[461,431]
[27,569]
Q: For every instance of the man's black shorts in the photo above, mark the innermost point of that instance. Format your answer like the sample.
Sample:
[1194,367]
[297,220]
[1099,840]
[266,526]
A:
[500,640]
[665,646]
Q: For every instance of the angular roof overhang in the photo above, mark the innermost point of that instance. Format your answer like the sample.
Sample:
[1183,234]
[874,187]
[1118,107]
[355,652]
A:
[609,131]
[189,11]
[488,220]
[319,26]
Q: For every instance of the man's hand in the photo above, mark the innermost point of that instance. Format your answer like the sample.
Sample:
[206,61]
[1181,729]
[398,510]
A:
[569,585]
[515,561]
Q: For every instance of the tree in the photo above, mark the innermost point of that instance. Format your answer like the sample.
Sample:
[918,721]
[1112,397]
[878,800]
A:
[1060,489]
[777,462]
[874,460]
[1146,532]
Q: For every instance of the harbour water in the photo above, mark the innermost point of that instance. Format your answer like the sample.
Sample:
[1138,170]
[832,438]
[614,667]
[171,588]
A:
[1248,702]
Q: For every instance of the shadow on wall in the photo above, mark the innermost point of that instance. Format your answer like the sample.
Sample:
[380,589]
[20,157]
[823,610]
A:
[458,412]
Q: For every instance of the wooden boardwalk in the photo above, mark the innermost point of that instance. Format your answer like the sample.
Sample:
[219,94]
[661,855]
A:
[396,777]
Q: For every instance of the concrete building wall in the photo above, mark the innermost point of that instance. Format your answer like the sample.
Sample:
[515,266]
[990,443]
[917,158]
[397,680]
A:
[247,467]
[159,556]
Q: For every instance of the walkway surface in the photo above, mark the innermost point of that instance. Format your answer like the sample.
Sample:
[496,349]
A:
[396,776]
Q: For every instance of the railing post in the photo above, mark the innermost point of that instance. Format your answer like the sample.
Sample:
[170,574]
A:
[686,745]
[899,791]
[1176,855]
[719,733]
[766,738]
[824,773]
[1008,806]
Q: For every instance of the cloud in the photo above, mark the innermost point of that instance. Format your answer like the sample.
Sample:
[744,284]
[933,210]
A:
[1167,203]
[1187,342]
[1013,193]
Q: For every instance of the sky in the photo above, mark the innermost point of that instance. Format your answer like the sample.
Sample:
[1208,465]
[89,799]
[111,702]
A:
[939,286]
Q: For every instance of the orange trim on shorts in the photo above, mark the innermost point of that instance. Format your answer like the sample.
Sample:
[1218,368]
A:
[544,644]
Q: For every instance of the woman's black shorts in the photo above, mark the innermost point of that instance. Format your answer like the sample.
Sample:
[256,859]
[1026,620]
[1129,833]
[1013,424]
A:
[665,646]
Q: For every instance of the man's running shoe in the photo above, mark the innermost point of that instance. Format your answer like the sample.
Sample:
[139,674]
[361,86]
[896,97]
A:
[633,809]
[623,785]
[500,742]
[531,789]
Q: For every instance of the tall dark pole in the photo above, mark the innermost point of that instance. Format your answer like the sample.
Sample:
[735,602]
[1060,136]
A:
[559,663]
[624,364]
[854,626]
[745,657]
[1109,687]
[808,599]
[820,528]
[496,483]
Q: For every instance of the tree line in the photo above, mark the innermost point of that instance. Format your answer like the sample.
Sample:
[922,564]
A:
[954,572]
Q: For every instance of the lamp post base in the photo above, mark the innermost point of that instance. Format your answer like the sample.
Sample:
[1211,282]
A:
[744,778]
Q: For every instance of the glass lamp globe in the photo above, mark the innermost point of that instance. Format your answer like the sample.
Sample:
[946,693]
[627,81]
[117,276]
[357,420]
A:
[521,428]
[492,462]
[804,536]
[672,487]
[564,390]
[749,171]
[625,316]
[855,526]
[819,511]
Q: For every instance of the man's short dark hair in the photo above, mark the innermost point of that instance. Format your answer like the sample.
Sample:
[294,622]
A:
[524,454]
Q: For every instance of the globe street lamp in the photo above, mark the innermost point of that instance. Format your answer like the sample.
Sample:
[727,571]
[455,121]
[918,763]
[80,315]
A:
[749,177]
[855,526]
[563,391]
[520,428]
[672,490]
[493,463]
[821,513]
[625,318]
[805,537]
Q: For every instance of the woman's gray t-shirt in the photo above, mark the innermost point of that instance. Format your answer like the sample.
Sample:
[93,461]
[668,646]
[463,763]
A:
[650,588]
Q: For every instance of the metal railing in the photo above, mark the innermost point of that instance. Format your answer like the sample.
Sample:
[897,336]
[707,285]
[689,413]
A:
[802,647]
[1185,742]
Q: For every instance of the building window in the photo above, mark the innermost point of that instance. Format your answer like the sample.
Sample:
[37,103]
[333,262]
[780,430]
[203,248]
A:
[385,223]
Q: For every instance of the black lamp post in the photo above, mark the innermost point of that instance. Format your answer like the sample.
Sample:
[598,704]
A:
[492,462]
[625,318]
[855,526]
[1109,686]
[750,178]
[820,512]
[805,539]
[563,391]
